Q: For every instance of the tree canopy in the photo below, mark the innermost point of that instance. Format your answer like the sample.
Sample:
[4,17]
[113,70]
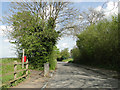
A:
[98,45]
[34,28]
[37,37]
[65,53]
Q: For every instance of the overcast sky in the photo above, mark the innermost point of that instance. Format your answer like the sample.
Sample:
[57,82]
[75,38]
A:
[7,49]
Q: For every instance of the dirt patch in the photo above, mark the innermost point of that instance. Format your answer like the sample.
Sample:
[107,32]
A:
[36,79]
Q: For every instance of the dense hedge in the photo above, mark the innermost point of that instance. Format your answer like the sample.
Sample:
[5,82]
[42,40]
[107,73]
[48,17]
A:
[37,37]
[98,45]
[75,53]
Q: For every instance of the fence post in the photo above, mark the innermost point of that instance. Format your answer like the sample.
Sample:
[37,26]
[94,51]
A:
[23,59]
[27,67]
[15,69]
[46,69]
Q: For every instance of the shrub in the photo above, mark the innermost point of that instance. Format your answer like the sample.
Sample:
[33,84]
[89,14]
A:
[53,58]
[75,53]
[98,44]
[37,37]
[64,54]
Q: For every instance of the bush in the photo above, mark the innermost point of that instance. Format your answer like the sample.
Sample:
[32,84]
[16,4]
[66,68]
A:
[37,37]
[75,53]
[98,45]
[53,58]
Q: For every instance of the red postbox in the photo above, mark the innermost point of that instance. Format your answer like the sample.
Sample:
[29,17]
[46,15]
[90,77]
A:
[25,58]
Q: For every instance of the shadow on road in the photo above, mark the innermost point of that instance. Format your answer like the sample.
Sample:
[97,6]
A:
[70,75]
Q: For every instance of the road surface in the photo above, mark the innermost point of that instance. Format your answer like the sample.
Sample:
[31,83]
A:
[72,76]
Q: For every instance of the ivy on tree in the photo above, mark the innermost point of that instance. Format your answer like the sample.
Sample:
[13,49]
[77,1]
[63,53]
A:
[38,38]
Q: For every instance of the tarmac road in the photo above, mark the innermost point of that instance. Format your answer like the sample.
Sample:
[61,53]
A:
[71,76]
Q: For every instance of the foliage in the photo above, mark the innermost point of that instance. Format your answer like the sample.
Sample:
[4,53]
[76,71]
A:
[67,60]
[64,54]
[75,54]
[37,37]
[34,25]
[62,12]
[98,44]
[53,58]
[56,52]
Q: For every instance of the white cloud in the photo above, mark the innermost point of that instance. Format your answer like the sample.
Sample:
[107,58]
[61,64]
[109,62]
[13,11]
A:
[110,10]
[81,17]
[5,46]
[57,27]
[4,30]
[1,34]
[61,38]
[6,40]
[2,27]
[99,8]
[111,5]
[61,46]
[66,42]
[65,45]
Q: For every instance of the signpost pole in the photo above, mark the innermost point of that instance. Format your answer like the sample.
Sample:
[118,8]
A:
[23,59]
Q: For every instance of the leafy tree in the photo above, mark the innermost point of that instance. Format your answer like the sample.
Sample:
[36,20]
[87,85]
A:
[56,52]
[62,12]
[37,37]
[34,25]
[65,53]
[75,53]
[98,44]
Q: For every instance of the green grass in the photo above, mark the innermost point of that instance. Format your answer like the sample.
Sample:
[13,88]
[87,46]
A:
[10,68]
[67,60]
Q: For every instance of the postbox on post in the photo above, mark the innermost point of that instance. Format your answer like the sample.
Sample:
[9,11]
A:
[25,58]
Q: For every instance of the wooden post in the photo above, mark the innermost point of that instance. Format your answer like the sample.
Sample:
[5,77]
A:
[23,59]
[46,69]
[27,67]
[56,63]
[15,69]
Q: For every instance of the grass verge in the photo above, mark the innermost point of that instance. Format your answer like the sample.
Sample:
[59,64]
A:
[10,68]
